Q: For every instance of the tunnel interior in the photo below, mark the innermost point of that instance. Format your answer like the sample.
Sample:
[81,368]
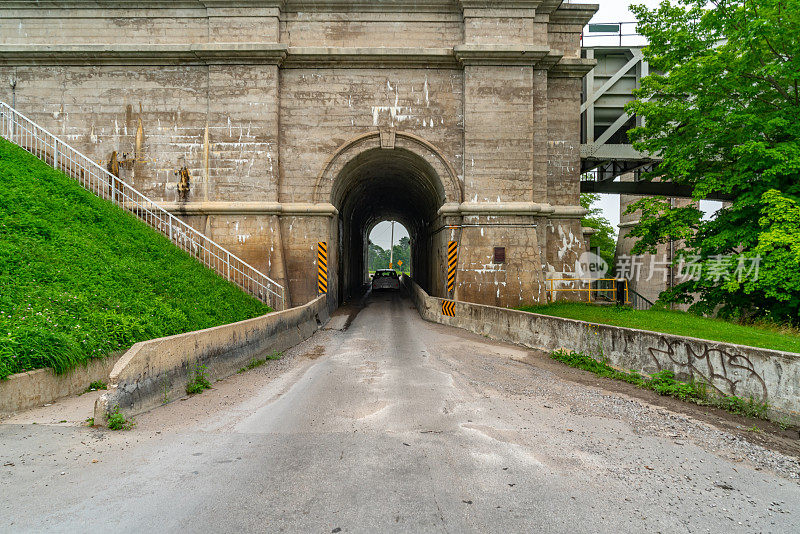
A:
[378,185]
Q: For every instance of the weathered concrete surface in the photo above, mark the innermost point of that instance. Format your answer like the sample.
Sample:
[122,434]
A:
[390,109]
[395,424]
[764,374]
[35,388]
[156,372]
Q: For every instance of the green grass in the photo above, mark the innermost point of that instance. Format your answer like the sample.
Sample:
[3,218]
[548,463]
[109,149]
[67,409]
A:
[81,278]
[676,322]
[664,383]
[258,362]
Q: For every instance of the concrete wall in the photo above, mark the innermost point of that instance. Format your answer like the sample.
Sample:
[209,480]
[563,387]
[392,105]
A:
[156,372]
[35,388]
[732,369]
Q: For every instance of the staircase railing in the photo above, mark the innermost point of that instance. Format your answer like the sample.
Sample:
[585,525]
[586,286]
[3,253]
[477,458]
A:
[21,131]
[640,302]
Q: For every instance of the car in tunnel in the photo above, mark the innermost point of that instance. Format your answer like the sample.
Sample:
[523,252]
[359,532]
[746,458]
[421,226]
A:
[385,279]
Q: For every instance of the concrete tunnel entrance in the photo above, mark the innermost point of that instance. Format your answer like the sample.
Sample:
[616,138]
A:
[378,185]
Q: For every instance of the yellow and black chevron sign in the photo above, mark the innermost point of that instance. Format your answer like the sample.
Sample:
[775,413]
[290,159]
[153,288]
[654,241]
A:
[449,308]
[322,267]
[452,260]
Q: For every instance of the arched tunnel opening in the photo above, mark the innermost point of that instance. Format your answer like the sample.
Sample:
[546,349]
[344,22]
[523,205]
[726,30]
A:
[378,185]
[389,247]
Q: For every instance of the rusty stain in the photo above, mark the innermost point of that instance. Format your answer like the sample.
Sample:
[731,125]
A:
[113,164]
[184,183]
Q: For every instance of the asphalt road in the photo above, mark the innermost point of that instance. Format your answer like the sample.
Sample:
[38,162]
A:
[385,422]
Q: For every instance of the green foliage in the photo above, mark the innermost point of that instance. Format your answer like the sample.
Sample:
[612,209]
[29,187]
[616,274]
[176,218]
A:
[255,362]
[763,334]
[117,421]
[81,278]
[199,382]
[580,360]
[378,258]
[779,248]
[96,385]
[723,112]
[749,407]
[605,239]
[664,383]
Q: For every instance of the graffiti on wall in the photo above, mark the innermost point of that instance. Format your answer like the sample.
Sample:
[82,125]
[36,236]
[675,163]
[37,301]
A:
[728,371]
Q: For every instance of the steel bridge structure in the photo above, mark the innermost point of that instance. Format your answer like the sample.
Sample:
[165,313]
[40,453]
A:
[606,152]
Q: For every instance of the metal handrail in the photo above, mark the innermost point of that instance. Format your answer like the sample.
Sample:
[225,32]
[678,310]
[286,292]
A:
[639,301]
[552,290]
[20,130]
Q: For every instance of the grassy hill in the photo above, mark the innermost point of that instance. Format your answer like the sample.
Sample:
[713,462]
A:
[81,278]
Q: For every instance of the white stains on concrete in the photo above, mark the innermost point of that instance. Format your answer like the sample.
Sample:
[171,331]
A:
[242,238]
[425,90]
[567,242]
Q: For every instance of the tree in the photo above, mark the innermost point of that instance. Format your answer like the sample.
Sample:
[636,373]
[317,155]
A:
[724,117]
[604,239]
[377,257]
[402,252]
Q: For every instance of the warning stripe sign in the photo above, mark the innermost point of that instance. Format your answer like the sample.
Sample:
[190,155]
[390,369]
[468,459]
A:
[452,260]
[449,308]
[322,267]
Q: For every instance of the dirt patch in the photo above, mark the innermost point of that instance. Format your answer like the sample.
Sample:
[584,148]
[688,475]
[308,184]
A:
[315,353]
[764,433]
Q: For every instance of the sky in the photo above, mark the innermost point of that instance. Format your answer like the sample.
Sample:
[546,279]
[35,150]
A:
[381,234]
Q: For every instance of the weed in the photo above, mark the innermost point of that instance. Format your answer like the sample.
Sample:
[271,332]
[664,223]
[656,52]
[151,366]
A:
[755,429]
[664,383]
[96,385]
[199,381]
[255,362]
[117,421]
[784,422]
[582,361]
[252,365]
[165,397]
[750,407]
[90,421]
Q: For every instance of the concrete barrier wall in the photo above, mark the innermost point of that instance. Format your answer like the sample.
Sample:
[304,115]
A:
[156,372]
[35,388]
[732,369]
